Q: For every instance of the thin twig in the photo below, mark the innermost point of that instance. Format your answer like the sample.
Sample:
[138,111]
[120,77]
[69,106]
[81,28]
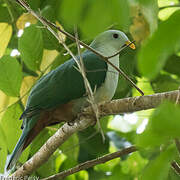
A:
[49,24]
[176,167]
[92,163]
[169,6]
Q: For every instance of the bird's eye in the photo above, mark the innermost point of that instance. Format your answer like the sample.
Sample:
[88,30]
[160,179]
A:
[115,36]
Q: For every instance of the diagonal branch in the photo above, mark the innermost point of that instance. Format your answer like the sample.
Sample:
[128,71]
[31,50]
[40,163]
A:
[92,163]
[85,119]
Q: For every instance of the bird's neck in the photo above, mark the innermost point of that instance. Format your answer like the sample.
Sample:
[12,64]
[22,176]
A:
[104,50]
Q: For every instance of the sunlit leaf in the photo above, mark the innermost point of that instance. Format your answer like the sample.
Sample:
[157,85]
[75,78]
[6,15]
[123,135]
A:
[62,37]
[5,36]
[158,168]
[163,126]
[24,18]
[11,76]
[71,150]
[49,57]
[134,164]
[27,84]
[11,124]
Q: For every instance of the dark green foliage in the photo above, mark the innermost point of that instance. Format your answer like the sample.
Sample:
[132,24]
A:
[31,51]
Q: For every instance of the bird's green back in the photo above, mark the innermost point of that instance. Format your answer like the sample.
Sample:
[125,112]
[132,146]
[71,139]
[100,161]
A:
[65,83]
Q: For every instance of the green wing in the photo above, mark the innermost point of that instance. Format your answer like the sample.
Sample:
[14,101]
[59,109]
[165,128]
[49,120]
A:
[65,83]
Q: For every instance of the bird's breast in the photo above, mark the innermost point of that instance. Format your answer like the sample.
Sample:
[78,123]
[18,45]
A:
[108,88]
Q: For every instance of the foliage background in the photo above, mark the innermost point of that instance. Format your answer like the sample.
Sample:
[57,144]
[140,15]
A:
[28,51]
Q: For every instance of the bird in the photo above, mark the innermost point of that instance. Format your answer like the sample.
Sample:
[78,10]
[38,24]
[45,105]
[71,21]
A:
[60,95]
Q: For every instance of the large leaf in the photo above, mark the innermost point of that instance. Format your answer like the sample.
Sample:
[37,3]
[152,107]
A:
[4,15]
[93,147]
[71,11]
[164,125]
[110,13]
[10,76]
[50,42]
[11,125]
[164,83]
[5,36]
[162,44]
[134,164]
[158,169]
[31,47]
[71,149]
[172,65]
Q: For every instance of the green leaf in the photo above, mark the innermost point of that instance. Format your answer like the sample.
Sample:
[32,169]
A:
[49,167]
[119,10]
[160,46]
[50,42]
[4,14]
[93,24]
[172,65]
[30,45]
[87,147]
[72,11]
[71,149]
[164,125]
[34,4]
[134,164]
[11,76]
[5,36]
[3,150]
[164,83]
[39,141]
[11,125]
[110,13]
[158,169]
[82,175]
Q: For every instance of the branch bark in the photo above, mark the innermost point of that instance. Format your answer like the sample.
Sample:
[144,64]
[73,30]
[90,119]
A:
[92,163]
[86,118]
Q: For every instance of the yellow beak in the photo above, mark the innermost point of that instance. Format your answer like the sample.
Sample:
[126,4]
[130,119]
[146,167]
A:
[130,44]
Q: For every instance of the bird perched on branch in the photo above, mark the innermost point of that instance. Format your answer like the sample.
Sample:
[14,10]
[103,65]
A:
[60,95]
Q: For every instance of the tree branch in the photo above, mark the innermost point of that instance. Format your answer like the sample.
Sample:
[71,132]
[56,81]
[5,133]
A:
[176,167]
[92,163]
[169,6]
[86,118]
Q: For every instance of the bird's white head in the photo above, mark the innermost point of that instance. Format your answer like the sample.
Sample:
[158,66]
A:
[110,42]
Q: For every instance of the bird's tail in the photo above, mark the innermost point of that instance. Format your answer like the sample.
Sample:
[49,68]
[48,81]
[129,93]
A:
[17,150]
